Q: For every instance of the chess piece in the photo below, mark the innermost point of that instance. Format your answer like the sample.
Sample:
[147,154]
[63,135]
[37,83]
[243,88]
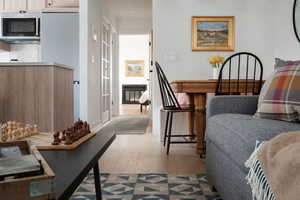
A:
[63,138]
[75,132]
[4,138]
[69,139]
[56,138]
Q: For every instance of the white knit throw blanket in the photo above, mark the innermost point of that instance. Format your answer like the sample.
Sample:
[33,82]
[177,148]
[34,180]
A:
[274,168]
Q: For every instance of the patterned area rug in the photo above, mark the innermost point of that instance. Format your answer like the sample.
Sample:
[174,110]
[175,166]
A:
[148,186]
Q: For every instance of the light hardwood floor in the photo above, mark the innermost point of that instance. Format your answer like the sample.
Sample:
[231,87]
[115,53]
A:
[146,154]
[132,109]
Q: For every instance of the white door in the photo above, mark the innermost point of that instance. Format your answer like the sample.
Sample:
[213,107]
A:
[106,73]
[36,5]
[15,5]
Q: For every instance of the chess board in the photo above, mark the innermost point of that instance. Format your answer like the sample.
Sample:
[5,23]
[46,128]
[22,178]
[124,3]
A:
[43,141]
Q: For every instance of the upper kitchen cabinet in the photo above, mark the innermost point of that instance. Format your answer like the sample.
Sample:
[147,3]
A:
[36,5]
[15,5]
[39,5]
[62,4]
[1,5]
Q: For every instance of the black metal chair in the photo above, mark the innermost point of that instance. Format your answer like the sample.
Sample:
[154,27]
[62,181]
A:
[170,106]
[245,79]
[146,104]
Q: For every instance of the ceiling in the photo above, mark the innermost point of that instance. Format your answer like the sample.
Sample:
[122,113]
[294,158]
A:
[132,16]
[130,8]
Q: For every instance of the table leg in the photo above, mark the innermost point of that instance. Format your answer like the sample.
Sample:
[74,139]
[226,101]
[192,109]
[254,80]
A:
[97,182]
[191,115]
[200,121]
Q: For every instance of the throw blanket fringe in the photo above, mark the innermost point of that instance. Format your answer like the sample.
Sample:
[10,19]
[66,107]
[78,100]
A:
[256,178]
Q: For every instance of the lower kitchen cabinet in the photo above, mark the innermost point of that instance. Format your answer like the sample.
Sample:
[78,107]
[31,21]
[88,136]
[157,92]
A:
[37,93]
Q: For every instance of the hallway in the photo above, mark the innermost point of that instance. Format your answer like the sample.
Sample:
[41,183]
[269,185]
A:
[133,109]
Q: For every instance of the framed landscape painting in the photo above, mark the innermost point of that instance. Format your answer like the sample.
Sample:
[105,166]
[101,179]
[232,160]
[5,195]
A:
[135,68]
[213,33]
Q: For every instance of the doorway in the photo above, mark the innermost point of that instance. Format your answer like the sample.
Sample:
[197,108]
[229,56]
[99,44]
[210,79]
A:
[134,75]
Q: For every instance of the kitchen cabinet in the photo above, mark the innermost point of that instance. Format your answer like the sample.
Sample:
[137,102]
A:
[15,5]
[36,5]
[39,5]
[1,5]
[62,3]
[37,93]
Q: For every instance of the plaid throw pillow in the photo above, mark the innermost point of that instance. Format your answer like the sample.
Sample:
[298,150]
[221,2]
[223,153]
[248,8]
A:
[280,99]
[282,63]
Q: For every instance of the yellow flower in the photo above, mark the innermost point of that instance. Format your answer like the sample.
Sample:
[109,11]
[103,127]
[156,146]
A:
[211,60]
[222,59]
[216,60]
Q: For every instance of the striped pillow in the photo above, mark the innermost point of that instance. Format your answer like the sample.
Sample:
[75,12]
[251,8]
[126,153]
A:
[280,98]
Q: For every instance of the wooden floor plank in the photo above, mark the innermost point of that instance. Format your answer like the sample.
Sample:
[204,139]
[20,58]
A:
[146,154]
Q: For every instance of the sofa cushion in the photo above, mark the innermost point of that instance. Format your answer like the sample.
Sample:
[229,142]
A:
[280,98]
[236,134]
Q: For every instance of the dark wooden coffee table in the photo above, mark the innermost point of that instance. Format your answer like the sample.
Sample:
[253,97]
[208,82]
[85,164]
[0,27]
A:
[72,166]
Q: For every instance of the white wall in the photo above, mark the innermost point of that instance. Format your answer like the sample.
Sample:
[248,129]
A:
[89,18]
[133,16]
[92,17]
[286,43]
[136,25]
[133,47]
[172,36]
[22,52]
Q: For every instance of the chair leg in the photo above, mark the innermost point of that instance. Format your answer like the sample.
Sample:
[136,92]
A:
[169,134]
[166,128]
[141,108]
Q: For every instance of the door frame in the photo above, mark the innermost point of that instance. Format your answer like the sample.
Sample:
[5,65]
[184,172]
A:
[149,73]
[115,73]
[106,59]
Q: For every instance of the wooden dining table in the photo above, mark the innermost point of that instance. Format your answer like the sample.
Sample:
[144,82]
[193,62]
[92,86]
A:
[197,91]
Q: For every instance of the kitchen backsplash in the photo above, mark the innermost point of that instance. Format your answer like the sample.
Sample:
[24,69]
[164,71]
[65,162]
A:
[22,53]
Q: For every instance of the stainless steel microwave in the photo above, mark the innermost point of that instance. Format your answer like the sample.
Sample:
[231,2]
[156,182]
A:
[20,26]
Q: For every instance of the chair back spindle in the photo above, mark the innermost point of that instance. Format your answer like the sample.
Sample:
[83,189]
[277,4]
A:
[240,81]
[169,99]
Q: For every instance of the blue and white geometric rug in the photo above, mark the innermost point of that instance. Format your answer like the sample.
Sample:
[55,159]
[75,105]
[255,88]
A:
[148,187]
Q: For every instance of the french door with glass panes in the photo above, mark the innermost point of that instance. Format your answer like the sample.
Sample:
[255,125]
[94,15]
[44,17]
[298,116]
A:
[106,72]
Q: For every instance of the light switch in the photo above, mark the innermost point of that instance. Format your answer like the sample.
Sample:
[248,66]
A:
[171,57]
[95,37]
[94,33]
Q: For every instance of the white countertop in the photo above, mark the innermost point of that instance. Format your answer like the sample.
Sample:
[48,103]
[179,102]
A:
[33,64]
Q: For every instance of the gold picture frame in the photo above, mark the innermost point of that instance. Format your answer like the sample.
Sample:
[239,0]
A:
[213,33]
[135,68]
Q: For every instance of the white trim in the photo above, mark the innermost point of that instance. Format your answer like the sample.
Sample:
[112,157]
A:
[83,58]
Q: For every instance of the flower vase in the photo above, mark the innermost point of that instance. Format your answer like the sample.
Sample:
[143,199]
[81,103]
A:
[216,73]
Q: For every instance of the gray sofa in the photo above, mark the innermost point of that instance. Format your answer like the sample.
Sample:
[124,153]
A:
[231,135]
